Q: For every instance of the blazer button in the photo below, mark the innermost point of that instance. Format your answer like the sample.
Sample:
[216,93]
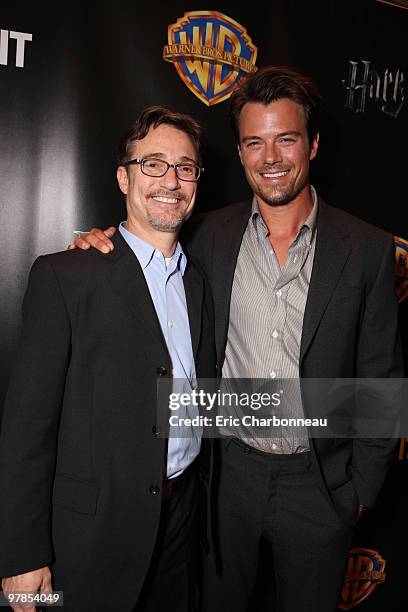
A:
[161,371]
[155,430]
[154,490]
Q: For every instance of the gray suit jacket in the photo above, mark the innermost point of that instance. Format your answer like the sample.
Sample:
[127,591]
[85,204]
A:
[349,329]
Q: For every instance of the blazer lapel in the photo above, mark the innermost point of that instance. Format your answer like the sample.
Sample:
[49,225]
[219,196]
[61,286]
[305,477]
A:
[193,285]
[227,243]
[331,254]
[128,280]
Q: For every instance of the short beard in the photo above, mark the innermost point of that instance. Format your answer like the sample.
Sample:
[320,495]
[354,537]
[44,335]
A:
[284,197]
[164,224]
[167,222]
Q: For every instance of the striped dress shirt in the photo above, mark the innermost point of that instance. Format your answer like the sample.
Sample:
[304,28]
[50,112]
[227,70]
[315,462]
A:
[265,327]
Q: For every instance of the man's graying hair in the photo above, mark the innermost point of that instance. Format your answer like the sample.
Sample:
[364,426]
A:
[274,83]
[153,116]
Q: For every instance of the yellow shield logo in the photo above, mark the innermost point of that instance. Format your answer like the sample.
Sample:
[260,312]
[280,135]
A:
[365,571]
[211,52]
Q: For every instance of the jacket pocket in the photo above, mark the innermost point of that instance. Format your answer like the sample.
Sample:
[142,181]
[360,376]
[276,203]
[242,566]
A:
[74,494]
[346,502]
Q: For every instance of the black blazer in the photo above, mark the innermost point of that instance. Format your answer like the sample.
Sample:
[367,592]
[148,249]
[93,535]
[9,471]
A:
[80,454]
[349,328]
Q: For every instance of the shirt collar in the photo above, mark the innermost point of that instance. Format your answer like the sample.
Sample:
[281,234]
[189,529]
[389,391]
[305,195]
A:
[312,218]
[310,222]
[145,251]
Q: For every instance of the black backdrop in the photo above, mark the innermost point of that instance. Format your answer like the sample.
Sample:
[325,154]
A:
[89,70]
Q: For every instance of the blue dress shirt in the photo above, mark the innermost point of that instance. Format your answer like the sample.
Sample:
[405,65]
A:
[165,281]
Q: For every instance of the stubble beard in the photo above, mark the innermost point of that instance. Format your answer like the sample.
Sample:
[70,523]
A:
[282,196]
[165,222]
[168,220]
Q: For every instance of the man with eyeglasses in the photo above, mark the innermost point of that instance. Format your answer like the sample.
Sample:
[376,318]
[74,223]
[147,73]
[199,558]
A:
[98,500]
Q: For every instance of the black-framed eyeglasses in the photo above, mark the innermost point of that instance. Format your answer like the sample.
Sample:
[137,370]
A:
[152,166]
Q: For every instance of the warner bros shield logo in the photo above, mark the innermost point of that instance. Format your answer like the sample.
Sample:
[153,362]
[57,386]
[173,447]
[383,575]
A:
[211,52]
[365,571]
[401,267]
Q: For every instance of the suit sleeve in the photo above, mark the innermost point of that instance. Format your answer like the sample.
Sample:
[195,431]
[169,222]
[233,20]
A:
[198,236]
[28,439]
[379,356]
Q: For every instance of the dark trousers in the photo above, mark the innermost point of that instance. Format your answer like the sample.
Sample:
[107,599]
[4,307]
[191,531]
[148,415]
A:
[173,576]
[273,502]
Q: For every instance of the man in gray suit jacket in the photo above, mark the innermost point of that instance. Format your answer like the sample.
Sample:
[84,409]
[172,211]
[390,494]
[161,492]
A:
[301,290]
